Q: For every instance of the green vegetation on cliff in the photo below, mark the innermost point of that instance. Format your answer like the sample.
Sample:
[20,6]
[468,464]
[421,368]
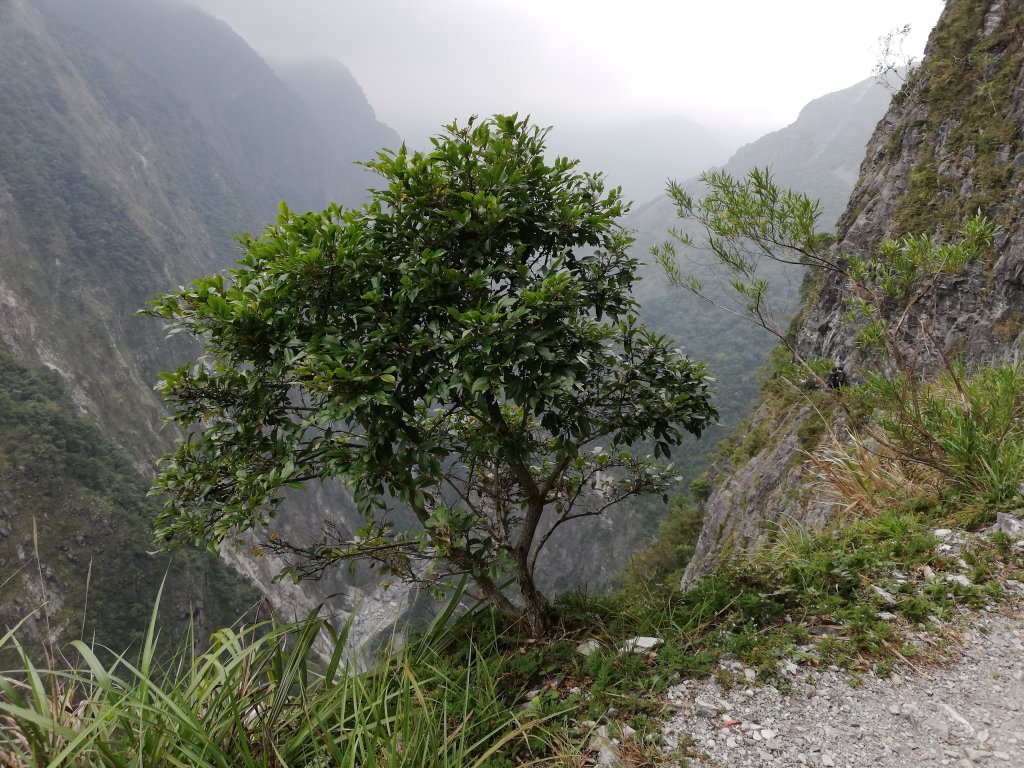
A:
[76,529]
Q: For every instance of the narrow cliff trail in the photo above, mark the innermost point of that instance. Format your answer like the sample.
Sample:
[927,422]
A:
[964,709]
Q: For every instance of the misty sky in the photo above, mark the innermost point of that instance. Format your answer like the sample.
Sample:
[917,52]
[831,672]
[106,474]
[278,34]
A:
[741,66]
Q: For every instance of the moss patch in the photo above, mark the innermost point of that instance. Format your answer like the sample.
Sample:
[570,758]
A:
[969,138]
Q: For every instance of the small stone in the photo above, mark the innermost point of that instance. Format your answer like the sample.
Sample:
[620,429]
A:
[609,757]
[1001,755]
[982,736]
[731,742]
[705,708]
[826,760]
[887,598]
[640,644]
[894,709]
[958,578]
[976,755]
[588,647]
[940,728]
[775,745]
[1010,525]
[612,713]
[599,739]
[750,674]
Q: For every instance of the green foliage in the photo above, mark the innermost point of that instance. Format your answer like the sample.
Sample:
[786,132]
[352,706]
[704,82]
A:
[972,76]
[464,345]
[700,488]
[746,224]
[967,427]
[259,697]
[888,285]
[76,524]
[665,558]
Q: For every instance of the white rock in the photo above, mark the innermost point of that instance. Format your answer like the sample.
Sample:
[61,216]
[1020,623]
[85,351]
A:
[588,647]
[640,644]
[887,598]
[610,758]
[1010,525]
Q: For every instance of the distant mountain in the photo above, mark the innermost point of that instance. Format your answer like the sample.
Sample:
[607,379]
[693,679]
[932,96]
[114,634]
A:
[640,155]
[342,115]
[282,143]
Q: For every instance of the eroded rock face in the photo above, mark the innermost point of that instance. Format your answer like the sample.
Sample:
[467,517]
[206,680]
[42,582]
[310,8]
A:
[950,145]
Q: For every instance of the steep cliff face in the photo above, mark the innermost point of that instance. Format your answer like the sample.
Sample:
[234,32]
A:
[106,195]
[950,144]
[119,178]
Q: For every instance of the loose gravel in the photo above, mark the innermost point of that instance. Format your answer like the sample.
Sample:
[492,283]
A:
[967,710]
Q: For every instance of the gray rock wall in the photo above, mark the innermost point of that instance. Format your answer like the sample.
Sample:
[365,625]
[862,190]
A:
[951,143]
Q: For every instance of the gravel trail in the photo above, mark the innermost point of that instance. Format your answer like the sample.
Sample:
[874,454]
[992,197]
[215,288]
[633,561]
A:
[966,711]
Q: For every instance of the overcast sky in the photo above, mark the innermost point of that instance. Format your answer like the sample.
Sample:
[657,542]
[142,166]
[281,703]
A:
[741,66]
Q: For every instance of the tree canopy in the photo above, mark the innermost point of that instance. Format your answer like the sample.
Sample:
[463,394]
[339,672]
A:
[464,346]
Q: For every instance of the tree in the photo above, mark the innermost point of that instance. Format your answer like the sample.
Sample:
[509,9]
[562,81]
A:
[464,347]
[892,309]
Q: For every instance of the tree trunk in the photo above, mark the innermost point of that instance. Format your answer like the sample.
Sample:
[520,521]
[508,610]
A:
[535,605]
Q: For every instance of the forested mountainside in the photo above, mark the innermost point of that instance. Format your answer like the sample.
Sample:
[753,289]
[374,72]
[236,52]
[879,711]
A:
[121,177]
[817,154]
[76,543]
[293,139]
[949,146]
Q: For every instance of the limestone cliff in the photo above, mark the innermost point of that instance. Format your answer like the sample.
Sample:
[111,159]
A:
[951,144]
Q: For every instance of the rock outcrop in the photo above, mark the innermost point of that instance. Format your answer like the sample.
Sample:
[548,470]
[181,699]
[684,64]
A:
[950,145]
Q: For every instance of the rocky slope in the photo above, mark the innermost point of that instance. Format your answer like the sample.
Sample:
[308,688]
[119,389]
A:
[949,145]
